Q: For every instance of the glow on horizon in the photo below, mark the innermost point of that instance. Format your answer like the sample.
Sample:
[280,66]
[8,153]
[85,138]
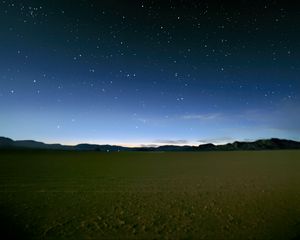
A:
[116,143]
[130,144]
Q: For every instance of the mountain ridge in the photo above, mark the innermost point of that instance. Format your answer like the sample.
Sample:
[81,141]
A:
[261,144]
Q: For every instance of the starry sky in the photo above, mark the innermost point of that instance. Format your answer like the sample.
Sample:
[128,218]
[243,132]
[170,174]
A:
[149,72]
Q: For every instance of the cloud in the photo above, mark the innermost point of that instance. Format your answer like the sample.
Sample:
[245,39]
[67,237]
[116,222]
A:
[249,139]
[149,145]
[204,117]
[161,141]
[216,140]
[285,118]
[143,120]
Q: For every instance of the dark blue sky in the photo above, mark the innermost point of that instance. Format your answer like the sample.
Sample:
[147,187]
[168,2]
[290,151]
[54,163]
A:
[149,72]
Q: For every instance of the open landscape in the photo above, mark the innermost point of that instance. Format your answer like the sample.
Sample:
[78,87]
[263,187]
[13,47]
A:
[149,119]
[154,195]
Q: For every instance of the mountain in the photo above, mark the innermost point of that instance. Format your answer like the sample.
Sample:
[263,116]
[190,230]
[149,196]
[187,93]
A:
[101,148]
[207,147]
[39,145]
[7,143]
[263,144]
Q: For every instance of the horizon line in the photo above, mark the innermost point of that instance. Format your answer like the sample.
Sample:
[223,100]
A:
[151,144]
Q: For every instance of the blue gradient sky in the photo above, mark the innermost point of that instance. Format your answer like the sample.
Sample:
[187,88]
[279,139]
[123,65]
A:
[146,72]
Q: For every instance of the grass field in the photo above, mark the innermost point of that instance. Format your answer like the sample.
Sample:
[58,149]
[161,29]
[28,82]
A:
[93,195]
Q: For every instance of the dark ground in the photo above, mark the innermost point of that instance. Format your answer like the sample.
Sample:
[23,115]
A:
[207,195]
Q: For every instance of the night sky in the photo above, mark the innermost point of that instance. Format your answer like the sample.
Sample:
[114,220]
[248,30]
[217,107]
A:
[149,72]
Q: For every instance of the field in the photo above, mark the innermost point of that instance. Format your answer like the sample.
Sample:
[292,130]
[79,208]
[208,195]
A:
[206,195]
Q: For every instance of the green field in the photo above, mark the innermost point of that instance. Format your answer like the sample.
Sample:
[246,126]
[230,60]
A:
[93,195]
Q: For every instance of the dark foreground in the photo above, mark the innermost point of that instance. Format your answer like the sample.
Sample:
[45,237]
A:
[207,195]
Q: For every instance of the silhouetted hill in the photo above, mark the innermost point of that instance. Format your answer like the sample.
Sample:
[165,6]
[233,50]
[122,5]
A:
[6,142]
[102,148]
[263,144]
[39,145]
[207,147]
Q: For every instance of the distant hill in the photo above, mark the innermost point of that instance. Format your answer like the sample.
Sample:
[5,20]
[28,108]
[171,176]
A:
[263,144]
[7,143]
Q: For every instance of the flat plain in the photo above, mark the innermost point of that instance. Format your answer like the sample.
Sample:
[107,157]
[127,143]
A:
[152,195]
